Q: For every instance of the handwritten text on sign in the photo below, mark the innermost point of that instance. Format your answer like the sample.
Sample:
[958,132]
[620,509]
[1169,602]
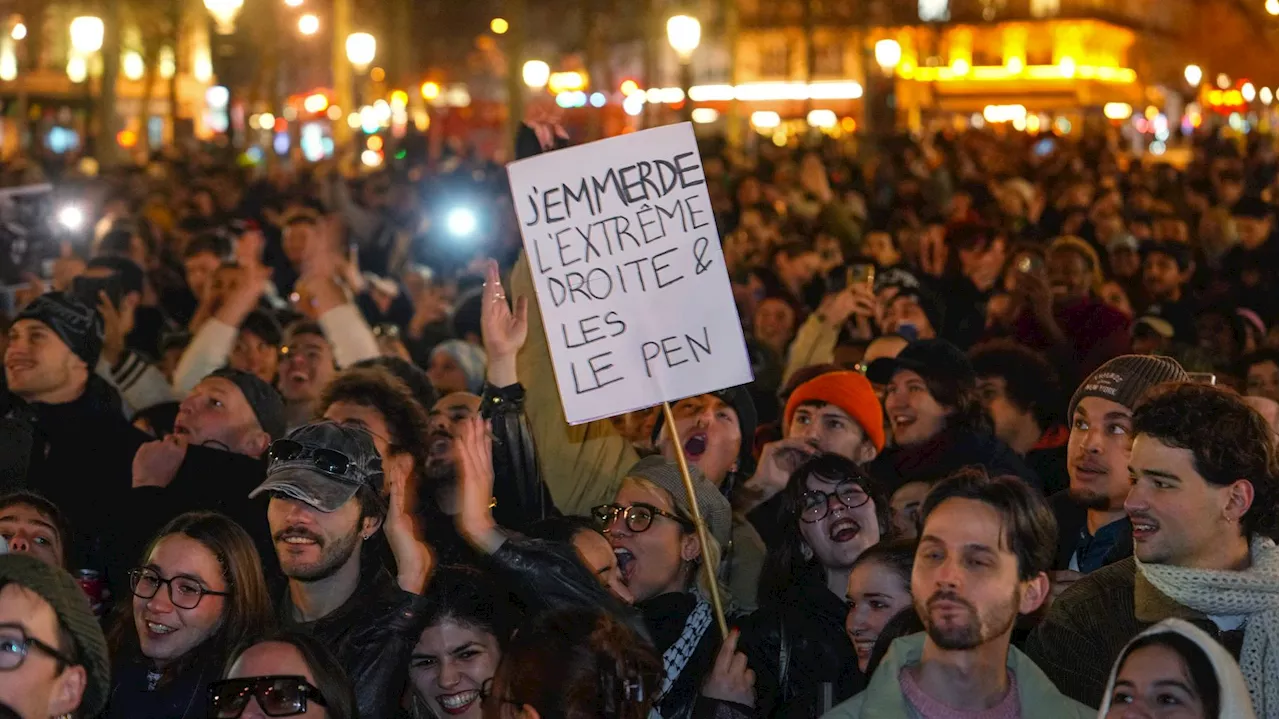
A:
[630,278]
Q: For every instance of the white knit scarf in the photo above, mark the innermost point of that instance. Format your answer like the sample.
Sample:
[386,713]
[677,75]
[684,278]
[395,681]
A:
[1253,593]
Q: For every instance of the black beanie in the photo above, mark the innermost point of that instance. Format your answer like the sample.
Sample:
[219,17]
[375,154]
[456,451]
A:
[263,399]
[79,326]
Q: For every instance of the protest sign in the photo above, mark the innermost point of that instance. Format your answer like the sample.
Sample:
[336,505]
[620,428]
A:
[629,273]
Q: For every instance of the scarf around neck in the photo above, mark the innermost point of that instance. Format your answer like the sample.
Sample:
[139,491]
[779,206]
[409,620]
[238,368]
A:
[1253,593]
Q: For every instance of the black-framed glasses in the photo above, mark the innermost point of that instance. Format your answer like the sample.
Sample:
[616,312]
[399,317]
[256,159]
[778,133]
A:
[330,461]
[638,517]
[15,644]
[184,592]
[278,696]
[816,504]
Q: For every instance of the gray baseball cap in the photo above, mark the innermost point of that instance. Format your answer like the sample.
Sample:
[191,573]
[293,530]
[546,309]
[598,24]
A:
[323,464]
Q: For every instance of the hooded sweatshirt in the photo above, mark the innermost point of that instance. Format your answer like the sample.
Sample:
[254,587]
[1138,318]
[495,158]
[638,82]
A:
[1233,702]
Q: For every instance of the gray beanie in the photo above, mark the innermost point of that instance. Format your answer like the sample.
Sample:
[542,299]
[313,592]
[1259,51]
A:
[715,509]
[69,602]
[1126,378]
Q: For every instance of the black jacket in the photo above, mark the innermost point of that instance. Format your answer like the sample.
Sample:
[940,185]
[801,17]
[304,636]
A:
[372,634]
[952,449]
[1078,642]
[133,696]
[665,617]
[1071,520]
[208,479]
[522,496]
[81,458]
[805,631]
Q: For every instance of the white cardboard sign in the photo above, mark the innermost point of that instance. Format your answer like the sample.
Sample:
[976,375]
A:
[626,261]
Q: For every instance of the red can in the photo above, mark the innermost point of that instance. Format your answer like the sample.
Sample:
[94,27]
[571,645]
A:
[95,588]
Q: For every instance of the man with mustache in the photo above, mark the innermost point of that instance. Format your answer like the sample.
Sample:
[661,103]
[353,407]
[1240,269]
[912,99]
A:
[1093,530]
[326,487]
[985,544]
[1202,502]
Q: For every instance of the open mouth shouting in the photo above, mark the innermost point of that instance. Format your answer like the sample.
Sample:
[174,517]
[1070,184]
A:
[626,563]
[844,529]
[458,703]
[902,421]
[695,445]
[439,444]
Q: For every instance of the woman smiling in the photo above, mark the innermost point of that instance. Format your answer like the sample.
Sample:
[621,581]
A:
[197,593]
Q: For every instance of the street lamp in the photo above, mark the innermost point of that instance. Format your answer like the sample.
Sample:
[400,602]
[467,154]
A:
[361,49]
[19,31]
[888,54]
[1193,75]
[308,24]
[224,14]
[684,32]
[86,34]
[536,74]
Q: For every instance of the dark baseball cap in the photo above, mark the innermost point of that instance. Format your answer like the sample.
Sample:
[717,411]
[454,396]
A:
[932,358]
[323,464]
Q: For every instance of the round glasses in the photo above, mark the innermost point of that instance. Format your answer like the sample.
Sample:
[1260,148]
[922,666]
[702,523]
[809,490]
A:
[815,504]
[15,644]
[638,517]
[184,592]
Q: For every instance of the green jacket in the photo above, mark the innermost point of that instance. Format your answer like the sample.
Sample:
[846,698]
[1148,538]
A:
[883,697]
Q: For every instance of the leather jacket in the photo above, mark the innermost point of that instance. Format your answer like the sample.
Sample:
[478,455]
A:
[521,496]
[372,634]
[802,657]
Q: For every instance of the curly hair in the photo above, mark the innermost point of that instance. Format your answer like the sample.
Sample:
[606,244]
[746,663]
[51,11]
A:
[379,389]
[1030,382]
[1228,439]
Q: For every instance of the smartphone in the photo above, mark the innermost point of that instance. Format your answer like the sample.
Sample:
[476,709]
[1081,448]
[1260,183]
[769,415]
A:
[1208,378]
[860,274]
[86,289]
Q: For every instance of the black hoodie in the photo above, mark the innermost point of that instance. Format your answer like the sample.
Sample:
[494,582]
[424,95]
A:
[81,459]
[951,449]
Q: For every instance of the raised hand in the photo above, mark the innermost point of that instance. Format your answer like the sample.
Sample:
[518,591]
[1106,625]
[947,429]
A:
[504,331]
[473,448]
[156,463]
[414,558]
[777,461]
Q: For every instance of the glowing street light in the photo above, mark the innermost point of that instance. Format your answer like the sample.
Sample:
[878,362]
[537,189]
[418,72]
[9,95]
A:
[1248,92]
[1273,7]
[684,33]
[86,34]
[77,70]
[293,3]
[1223,81]
[308,24]
[430,90]
[224,14]
[536,73]
[361,49]
[132,65]
[888,54]
[19,31]
[1193,75]
[499,26]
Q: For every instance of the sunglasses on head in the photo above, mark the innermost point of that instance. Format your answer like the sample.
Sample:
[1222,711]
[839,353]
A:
[277,696]
[329,461]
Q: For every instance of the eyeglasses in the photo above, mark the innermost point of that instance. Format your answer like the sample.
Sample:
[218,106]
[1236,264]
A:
[816,504]
[638,517]
[329,461]
[278,696]
[15,644]
[184,592]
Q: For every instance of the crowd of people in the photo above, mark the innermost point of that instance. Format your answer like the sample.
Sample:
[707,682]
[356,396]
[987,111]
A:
[276,445]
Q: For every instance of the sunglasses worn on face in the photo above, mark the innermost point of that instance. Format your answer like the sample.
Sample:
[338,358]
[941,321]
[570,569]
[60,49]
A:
[816,504]
[278,696]
[638,517]
[329,461]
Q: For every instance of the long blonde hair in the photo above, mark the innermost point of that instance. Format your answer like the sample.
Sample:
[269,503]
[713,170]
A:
[710,552]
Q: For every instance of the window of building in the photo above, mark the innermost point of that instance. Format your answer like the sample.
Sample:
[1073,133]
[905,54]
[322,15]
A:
[775,60]
[828,59]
